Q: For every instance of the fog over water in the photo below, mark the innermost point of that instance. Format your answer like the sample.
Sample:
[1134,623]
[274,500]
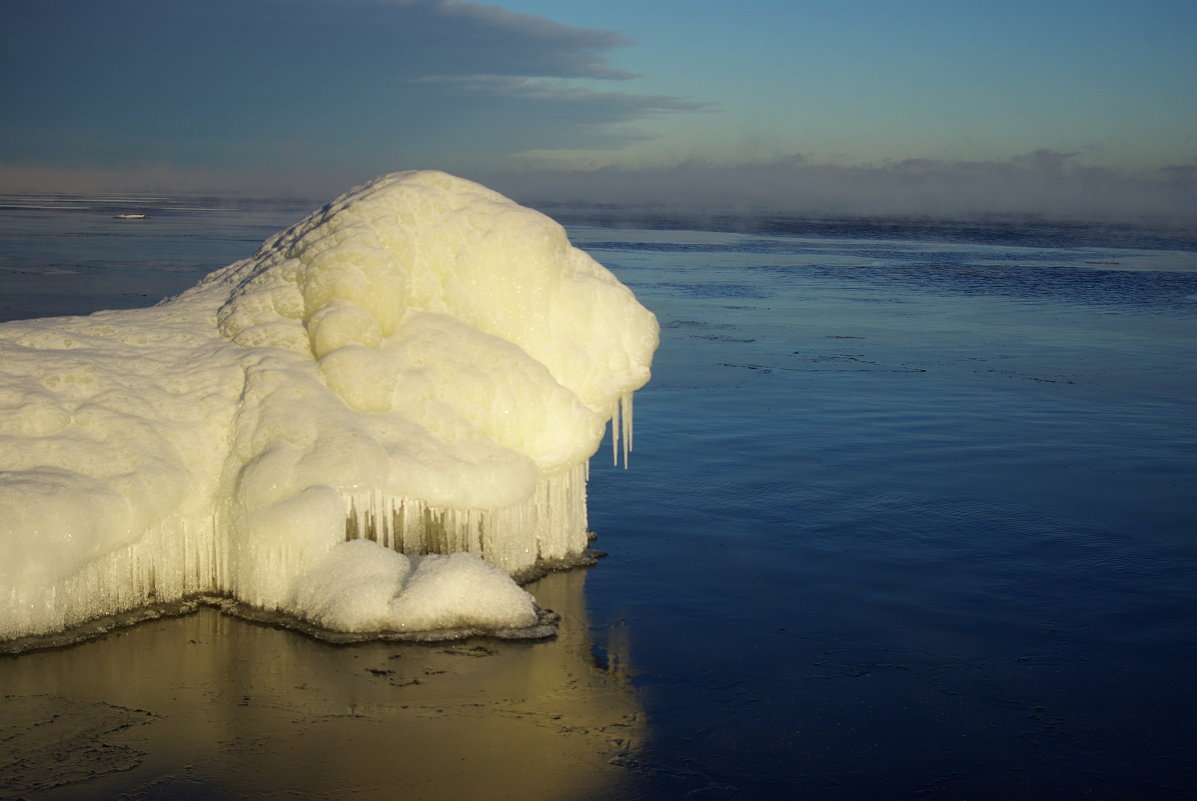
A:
[1041,183]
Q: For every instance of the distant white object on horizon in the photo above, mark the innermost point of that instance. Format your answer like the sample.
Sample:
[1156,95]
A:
[131,217]
[421,366]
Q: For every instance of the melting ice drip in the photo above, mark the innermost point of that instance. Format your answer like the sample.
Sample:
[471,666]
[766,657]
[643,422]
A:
[420,367]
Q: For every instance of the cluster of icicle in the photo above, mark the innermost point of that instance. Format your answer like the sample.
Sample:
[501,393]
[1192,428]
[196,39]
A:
[420,367]
[548,530]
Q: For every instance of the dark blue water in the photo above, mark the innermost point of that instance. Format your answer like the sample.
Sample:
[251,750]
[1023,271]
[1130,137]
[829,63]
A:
[908,518]
[63,254]
[912,510]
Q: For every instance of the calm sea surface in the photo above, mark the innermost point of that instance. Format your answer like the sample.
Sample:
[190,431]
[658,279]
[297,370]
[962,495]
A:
[911,513]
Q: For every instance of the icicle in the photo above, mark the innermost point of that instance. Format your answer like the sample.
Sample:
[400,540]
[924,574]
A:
[549,528]
[621,429]
[615,430]
[625,403]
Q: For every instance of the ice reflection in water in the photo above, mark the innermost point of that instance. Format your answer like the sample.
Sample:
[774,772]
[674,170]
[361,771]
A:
[208,706]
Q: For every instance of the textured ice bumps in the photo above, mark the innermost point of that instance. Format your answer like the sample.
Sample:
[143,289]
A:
[422,363]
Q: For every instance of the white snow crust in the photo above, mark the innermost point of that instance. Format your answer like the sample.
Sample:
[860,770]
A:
[420,367]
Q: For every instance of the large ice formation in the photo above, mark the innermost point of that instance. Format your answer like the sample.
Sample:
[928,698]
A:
[420,367]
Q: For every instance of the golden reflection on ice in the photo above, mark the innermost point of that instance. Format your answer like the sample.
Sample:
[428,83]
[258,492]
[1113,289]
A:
[211,706]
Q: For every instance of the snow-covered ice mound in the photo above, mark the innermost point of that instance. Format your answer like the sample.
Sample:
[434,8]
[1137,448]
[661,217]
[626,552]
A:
[420,367]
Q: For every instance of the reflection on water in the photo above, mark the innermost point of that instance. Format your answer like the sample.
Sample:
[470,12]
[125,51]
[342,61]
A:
[209,706]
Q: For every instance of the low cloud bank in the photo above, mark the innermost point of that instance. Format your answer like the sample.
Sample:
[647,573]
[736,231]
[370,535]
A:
[1043,182]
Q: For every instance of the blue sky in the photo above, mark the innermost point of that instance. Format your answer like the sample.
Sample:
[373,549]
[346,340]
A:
[768,101]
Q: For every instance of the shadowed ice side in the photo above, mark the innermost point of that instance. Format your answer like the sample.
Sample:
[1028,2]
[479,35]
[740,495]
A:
[371,425]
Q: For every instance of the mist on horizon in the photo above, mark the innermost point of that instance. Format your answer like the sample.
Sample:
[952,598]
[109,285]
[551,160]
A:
[1043,183]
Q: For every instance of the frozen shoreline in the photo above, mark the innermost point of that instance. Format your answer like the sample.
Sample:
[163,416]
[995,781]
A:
[544,627]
